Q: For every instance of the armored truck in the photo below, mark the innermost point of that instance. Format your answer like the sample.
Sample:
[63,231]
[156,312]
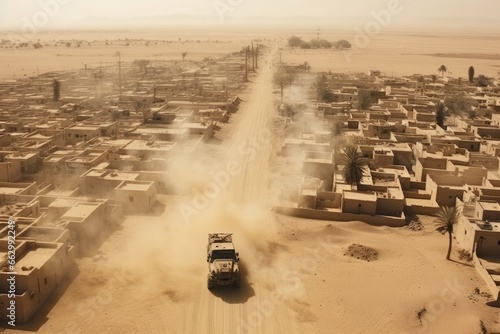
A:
[222,261]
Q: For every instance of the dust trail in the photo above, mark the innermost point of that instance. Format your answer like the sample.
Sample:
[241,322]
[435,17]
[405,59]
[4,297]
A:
[169,252]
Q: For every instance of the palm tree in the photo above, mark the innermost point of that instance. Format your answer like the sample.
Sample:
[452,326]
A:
[447,218]
[364,99]
[354,164]
[336,128]
[471,74]
[56,85]
[441,114]
[283,77]
[443,70]
[337,140]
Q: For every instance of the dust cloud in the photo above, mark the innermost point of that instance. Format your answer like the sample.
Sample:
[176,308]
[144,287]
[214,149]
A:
[168,253]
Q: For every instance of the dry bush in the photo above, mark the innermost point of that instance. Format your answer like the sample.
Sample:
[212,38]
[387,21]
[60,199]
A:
[413,222]
[361,252]
[57,176]
[464,255]
[420,313]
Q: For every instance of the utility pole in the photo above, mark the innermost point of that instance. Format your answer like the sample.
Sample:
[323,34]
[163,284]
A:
[119,76]
[253,59]
[98,84]
[246,63]
[257,56]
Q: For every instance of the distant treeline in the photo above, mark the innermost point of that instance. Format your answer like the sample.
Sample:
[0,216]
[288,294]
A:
[297,42]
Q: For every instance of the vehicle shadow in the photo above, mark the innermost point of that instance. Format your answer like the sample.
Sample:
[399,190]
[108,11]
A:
[234,295]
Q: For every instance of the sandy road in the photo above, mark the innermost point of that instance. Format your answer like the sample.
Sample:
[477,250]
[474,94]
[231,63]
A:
[256,307]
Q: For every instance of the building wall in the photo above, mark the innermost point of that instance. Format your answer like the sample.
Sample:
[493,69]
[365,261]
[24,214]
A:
[444,195]
[465,234]
[90,185]
[447,197]
[29,165]
[342,216]
[10,171]
[136,201]
[359,206]
[488,243]
[91,223]
[383,159]
[390,206]
[403,158]
[23,306]
[328,199]
[425,117]
[471,146]
[323,171]
[33,287]
[307,201]
[493,132]
[489,162]
[73,136]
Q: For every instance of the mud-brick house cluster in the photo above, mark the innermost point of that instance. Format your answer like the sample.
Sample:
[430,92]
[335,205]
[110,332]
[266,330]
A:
[70,169]
[414,165]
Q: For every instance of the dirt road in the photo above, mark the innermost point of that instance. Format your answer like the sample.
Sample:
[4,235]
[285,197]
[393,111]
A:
[258,307]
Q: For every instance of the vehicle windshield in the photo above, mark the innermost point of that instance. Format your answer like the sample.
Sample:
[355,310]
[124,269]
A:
[226,254]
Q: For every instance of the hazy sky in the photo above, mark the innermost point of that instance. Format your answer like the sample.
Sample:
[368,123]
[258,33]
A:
[14,12]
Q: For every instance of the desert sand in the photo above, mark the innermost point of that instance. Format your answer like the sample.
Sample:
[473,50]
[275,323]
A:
[150,276]
[393,53]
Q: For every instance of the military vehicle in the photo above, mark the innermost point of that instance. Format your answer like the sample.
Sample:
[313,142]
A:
[222,261]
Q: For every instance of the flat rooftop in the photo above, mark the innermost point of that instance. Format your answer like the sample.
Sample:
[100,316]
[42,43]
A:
[115,143]
[195,125]
[135,186]
[85,128]
[63,203]
[320,161]
[300,141]
[309,192]
[21,157]
[360,196]
[166,131]
[153,146]
[121,176]
[10,190]
[80,211]
[35,257]
[490,206]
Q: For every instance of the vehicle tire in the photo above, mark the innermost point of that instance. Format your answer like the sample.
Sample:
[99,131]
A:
[237,283]
[210,283]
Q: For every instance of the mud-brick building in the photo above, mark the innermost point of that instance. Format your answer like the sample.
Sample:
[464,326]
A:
[136,196]
[39,268]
